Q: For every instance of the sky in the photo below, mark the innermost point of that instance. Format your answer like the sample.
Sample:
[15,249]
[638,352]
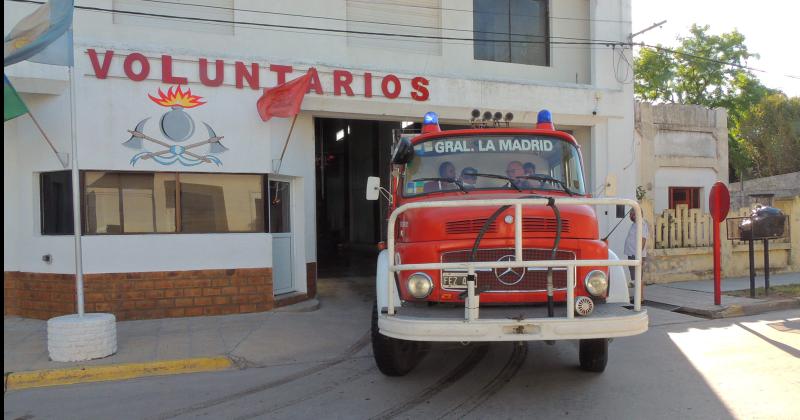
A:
[771,29]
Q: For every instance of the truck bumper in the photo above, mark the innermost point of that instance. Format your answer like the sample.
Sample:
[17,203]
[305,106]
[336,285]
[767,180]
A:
[510,324]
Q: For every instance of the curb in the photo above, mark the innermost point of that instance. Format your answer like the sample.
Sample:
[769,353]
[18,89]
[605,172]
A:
[309,305]
[731,311]
[84,374]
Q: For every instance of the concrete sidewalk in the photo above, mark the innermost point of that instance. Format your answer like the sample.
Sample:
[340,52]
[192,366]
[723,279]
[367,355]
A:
[279,338]
[697,297]
[274,338]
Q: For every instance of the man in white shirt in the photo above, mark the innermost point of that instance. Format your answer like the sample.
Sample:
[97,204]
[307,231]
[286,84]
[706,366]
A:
[630,243]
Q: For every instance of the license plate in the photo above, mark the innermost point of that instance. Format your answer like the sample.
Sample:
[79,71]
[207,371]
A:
[454,280]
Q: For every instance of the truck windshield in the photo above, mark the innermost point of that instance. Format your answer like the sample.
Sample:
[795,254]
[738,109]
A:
[493,162]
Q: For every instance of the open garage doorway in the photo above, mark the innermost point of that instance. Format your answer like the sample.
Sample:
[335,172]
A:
[348,226]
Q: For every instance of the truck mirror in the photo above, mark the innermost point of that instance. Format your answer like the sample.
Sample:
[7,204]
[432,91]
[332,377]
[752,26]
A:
[620,211]
[403,152]
[373,188]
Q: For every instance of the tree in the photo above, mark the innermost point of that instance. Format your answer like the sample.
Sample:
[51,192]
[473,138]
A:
[772,130]
[706,70]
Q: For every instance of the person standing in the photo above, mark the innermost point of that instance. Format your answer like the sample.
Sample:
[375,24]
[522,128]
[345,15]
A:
[630,244]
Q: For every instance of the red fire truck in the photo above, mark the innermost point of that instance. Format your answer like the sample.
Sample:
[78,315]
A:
[492,236]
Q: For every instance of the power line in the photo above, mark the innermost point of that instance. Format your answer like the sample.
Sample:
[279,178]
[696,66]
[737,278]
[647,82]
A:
[472,11]
[712,60]
[588,43]
[362,21]
[333,30]
[422,41]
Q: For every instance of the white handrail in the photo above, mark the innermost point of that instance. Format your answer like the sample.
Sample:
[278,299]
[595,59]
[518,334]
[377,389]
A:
[518,203]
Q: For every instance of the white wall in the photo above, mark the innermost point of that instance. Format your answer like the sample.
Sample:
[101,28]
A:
[703,178]
[136,253]
[599,105]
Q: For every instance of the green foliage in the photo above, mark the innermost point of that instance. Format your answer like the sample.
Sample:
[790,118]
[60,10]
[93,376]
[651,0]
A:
[772,130]
[655,76]
[697,73]
[641,193]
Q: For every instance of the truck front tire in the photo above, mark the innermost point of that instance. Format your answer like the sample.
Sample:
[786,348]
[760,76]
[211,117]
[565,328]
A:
[593,354]
[394,357]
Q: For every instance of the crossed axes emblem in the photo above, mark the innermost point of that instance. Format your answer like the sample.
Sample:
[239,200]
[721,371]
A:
[137,137]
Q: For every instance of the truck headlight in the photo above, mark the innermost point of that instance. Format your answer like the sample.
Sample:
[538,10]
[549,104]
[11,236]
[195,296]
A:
[596,283]
[420,285]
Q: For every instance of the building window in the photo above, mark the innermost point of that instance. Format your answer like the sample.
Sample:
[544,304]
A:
[56,203]
[512,31]
[163,202]
[689,196]
[221,203]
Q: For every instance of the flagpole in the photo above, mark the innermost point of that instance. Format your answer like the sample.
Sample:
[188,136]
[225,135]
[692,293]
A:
[280,161]
[65,160]
[76,196]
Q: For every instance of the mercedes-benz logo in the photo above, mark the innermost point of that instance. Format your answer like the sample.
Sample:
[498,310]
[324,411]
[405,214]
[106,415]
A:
[509,276]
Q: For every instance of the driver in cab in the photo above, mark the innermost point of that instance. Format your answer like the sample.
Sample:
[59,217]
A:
[515,170]
[446,170]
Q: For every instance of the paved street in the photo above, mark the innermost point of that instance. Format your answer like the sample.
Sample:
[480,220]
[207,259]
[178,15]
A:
[683,367]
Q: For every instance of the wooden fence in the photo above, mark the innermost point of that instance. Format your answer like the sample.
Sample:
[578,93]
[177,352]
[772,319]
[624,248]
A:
[691,228]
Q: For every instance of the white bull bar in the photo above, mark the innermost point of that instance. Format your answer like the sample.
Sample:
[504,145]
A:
[472,328]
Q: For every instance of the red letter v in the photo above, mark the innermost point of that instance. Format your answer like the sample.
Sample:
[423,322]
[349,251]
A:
[101,71]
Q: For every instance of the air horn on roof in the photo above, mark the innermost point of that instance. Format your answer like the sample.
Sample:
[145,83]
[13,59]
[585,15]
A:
[490,120]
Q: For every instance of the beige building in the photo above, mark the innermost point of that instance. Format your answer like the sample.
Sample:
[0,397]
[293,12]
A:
[687,150]
[686,147]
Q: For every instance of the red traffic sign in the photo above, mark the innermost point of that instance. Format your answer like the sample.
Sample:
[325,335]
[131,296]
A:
[719,202]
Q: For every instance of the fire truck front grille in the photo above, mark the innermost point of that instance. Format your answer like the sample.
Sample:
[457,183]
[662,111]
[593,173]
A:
[529,225]
[469,226]
[542,224]
[517,280]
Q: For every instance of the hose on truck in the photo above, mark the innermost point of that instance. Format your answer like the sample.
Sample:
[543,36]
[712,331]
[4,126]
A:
[551,202]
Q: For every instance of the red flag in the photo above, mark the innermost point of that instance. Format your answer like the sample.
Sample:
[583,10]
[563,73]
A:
[284,100]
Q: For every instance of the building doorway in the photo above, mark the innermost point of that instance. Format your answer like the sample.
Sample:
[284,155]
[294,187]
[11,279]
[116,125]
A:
[280,207]
[348,226]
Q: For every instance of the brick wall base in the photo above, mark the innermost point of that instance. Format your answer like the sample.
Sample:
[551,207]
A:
[141,295]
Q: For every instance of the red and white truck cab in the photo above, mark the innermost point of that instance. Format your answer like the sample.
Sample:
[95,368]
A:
[492,236]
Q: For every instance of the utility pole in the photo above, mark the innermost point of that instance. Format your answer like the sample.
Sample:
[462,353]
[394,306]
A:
[653,26]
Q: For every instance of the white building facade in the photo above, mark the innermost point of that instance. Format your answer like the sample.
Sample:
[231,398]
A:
[183,211]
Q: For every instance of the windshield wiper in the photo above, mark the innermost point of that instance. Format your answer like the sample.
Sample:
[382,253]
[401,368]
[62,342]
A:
[457,182]
[507,178]
[550,179]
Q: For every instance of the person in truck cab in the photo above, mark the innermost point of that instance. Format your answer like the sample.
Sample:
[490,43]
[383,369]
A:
[446,170]
[515,170]
[530,169]
[468,177]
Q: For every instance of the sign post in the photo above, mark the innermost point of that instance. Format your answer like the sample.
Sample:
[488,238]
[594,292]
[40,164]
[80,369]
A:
[719,202]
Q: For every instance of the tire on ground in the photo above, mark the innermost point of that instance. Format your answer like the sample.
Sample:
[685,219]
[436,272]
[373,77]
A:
[593,354]
[394,357]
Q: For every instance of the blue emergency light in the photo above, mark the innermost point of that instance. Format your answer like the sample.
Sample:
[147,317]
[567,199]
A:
[430,123]
[545,120]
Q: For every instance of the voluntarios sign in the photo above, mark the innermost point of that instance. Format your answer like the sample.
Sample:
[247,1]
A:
[137,66]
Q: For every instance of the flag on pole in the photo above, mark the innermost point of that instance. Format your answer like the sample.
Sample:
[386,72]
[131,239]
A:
[44,36]
[284,100]
[13,106]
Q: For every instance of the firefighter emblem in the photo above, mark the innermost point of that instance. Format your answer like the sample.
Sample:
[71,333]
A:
[177,126]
